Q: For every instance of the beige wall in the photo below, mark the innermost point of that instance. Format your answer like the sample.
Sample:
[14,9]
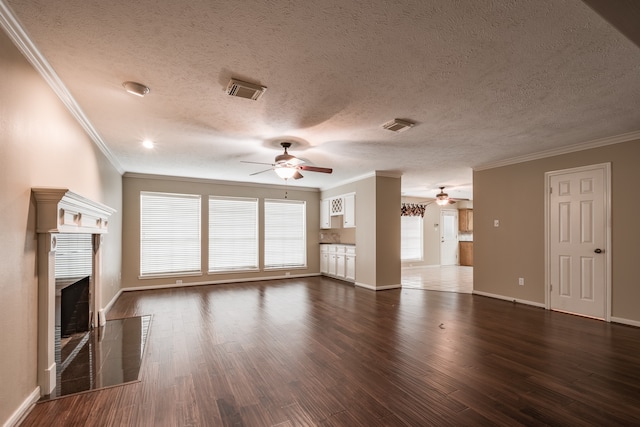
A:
[516,248]
[388,232]
[134,184]
[40,144]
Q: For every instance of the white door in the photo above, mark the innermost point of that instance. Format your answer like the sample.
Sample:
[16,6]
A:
[578,240]
[448,237]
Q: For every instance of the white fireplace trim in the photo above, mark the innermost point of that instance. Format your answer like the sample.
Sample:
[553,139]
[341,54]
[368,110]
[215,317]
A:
[62,211]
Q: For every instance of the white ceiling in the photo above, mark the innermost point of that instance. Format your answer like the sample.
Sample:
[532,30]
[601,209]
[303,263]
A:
[483,80]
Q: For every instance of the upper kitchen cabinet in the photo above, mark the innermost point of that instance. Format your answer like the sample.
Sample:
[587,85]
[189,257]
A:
[465,220]
[339,207]
[325,214]
[349,217]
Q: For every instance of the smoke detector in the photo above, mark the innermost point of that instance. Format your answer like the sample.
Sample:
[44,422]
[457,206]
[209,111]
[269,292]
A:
[245,89]
[397,125]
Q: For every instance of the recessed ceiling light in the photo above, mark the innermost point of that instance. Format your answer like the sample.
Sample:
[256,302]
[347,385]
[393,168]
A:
[135,88]
[147,143]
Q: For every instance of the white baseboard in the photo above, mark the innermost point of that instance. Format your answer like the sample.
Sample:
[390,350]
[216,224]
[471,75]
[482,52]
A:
[377,288]
[511,299]
[19,414]
[625,321]
[215,282]
[113,301]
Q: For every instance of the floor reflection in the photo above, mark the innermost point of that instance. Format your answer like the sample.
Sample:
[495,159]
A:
[103,357]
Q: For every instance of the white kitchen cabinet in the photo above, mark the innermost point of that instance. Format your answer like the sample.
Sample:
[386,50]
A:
[350,264]
[338,261]
[324,259]
[325,213]
[349,215]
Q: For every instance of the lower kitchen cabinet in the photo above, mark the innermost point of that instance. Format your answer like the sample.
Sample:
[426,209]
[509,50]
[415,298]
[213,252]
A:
[338,261]
[466,253]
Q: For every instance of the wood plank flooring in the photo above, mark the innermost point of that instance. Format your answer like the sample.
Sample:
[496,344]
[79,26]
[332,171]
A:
[319,352]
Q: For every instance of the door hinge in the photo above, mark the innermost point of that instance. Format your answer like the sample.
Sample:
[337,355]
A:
[550,190]
[550,287]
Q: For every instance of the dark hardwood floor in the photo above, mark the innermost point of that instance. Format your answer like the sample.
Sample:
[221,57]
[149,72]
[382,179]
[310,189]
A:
[321,352]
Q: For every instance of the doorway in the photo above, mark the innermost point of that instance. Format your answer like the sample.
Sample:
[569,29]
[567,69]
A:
[449,237]
[578,243]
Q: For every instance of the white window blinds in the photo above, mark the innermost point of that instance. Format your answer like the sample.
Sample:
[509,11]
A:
[411,238]
[233,234]
[73,255]
[169,234]
[285,234]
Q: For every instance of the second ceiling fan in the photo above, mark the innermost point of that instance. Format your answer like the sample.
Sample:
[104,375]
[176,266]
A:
[443,198]
[289,166]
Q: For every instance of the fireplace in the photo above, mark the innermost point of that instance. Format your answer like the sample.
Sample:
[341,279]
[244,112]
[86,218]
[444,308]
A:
[60,212]
[72,306]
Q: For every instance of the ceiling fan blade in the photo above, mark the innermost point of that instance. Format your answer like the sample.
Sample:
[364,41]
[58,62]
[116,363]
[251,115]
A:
[297,175]
[257,163]
[315,169]
[256,173]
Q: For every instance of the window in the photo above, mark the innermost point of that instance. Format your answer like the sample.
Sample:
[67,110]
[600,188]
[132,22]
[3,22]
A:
[74,255]
[169,234]
[285,234]
[411,238]
[233,234]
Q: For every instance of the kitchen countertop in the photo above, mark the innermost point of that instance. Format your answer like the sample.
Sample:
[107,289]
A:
[335,243]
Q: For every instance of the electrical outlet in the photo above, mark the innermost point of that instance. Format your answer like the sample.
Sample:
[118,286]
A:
[496,223]
[178,282]
[287,273]
[521,281]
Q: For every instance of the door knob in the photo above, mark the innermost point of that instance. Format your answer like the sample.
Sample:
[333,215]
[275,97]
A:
[598,251]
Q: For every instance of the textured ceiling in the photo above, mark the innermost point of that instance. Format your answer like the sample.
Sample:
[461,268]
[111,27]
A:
[483,80]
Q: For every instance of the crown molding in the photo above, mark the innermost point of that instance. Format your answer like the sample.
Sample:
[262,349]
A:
[387,174]
[218,182]
[596,143]
[16,33]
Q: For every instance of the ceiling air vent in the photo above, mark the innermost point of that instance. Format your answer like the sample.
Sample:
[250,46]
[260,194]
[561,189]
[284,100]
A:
[245,89]
[398,125]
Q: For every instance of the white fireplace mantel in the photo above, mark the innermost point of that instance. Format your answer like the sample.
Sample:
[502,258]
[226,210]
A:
[62,211]
[58,211]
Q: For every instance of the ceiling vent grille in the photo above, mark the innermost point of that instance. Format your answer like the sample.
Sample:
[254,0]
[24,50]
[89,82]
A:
[245,90]
[398,125]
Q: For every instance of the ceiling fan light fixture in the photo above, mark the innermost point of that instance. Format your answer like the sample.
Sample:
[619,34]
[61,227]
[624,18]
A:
[398,125]
[442,198]
[245,89]
[135,88]
[285,172]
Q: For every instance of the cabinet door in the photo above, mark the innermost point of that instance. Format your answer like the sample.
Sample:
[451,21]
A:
[462,220]
[466,253]
[465,220]
[337,206]
[325,214]
[350,268]
[332,264]
[324,262]
[340,265]
[349,218]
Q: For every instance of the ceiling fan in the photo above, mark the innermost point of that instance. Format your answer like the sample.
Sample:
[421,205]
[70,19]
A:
[289,166]
[443,198]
